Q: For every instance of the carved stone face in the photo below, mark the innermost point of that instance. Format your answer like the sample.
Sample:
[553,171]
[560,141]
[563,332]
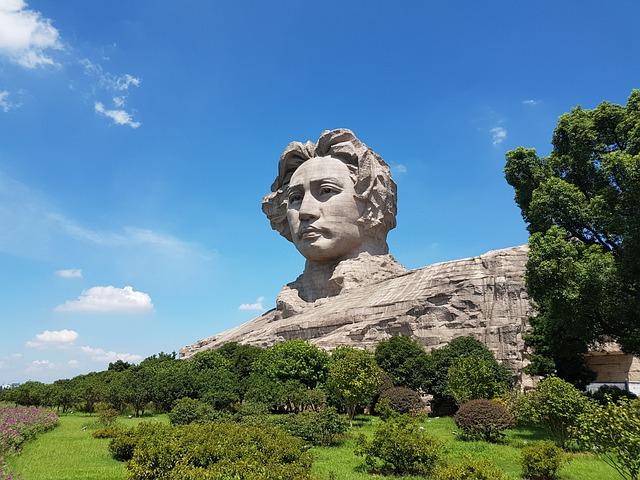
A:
[322,210]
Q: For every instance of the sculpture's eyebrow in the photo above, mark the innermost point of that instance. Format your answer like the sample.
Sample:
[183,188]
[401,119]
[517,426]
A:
[297,186]
[327,179]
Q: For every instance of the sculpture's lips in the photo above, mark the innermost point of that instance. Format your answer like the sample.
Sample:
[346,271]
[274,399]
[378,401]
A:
[310,233]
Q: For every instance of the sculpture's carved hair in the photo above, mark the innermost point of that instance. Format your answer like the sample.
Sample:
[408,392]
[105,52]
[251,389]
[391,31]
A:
[369,172]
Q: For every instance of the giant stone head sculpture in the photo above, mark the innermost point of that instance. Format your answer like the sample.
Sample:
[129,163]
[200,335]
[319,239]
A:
[333,199]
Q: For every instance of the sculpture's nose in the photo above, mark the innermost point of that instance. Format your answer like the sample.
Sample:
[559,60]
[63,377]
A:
[309,208]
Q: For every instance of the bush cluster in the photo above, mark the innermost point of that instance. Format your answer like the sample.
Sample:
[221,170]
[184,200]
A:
[608,393]
[541,461]
[400,446]
[320,428]
[219,450]
[486,419]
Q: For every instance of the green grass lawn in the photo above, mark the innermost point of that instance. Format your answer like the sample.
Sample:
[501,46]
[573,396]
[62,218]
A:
[70,452]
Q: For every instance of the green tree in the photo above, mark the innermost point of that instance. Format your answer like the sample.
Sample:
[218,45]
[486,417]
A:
[581,206]
[437,367]
[404,359]
[294,360]
[612,431]
[65,395]
[475,377]
[353,378]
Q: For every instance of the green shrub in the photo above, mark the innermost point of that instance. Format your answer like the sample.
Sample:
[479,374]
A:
[612,432]
[556,405]
[470,469]
[483,418]
[220,451]
[106,414]
[251,409]
[401,400]
[400,446]
[320,428]
[122,446]
[608,393]
[187,410]
[520,406]
[107,432]
[541,461]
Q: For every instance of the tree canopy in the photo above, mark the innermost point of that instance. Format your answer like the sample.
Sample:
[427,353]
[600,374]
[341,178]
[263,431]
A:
[581,204]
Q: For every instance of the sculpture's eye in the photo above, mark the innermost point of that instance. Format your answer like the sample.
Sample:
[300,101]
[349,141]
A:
[295,198]
[327,190]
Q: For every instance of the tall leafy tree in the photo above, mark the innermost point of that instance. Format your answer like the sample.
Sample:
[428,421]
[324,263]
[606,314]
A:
[582,208]
[353,378]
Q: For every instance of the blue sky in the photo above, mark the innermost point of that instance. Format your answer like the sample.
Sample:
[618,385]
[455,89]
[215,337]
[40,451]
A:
[138,138]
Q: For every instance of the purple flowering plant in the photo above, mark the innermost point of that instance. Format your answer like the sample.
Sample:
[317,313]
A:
[19,424]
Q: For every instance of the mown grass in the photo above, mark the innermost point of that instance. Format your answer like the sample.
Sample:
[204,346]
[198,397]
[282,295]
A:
[70,452]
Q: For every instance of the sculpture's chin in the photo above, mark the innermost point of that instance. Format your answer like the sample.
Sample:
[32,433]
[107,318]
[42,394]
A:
[324,250]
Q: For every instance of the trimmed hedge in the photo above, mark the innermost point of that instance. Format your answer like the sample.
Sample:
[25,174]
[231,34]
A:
[483,418]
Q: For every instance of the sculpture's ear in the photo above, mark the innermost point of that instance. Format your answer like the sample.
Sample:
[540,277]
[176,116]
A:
[275,208]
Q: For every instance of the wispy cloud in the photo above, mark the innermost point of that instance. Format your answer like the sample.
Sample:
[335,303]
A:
[38,365]
[69,273]
[108,299]
[119,117]
[398,168]
[498,135]
[101,355]
[112,84]
[26,37]
[54,338]
[108,81]
[531,102]
[257,306]
[34,228]
[5,103]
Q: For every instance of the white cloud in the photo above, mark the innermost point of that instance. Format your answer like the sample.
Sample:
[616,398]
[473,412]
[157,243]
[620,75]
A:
[53,338]
[531,102]
[40,365]
[119,101]
[253,306]
[26,37]
[72,363]
[101,355]
[498,135]
[109,300]
[5,104]
[69,273]
[119,117]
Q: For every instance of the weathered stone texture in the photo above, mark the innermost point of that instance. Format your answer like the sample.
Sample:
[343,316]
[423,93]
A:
[481,296]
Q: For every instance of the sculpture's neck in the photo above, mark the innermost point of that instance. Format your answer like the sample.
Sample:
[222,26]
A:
[328,279]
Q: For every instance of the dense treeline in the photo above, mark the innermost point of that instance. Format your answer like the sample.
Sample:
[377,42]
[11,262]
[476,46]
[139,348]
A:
[292,376]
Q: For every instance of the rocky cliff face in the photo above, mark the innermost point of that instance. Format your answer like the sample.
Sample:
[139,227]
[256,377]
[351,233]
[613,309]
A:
[482,296]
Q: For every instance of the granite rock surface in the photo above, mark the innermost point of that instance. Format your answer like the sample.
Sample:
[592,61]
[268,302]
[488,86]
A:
[483,296]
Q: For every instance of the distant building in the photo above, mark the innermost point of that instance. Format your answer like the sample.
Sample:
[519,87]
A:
[614,367]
